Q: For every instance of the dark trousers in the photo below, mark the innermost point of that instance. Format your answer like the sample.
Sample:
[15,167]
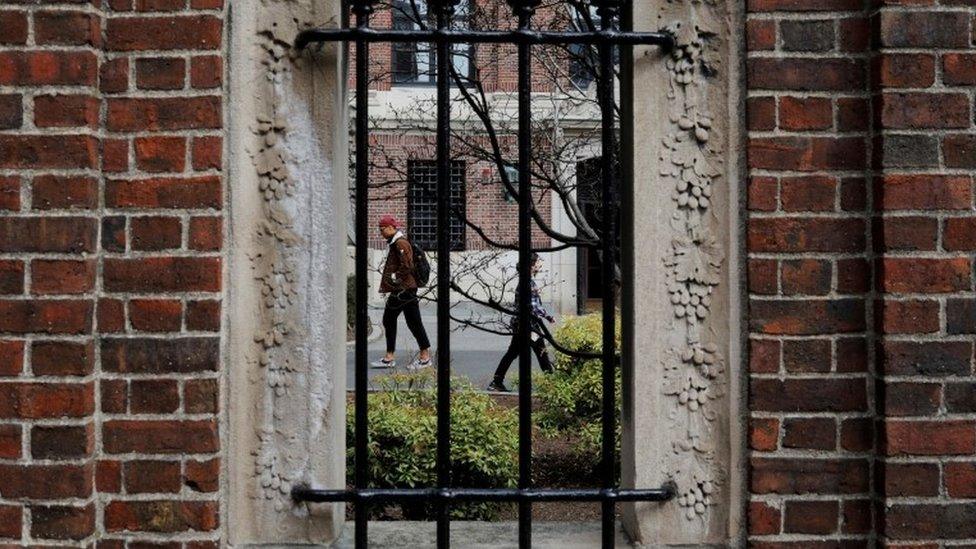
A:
[405,302]
[538,347]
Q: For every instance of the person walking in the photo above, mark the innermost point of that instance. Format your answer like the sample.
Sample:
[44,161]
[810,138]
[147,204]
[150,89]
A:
[399,280]
[537,314]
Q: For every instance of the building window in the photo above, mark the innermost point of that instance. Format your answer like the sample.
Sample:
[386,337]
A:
[422,203]
[417,63]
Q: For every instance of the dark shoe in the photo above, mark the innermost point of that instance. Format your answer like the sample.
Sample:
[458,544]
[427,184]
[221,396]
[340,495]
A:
[497,387]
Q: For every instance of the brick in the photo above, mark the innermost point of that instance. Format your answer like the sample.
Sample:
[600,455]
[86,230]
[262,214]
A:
[853,114]
[805,113]
[901,70]
[62,522]
[201,396]
[11,277]
[930,521]
[930,358]
[912,399]
[160,154]
[11,112]
[810,433]
[206,233]
[114,75]
[160,437]
[909,479]
[160,5]
[45,316]
[925,110]
[48,151]
[960,398]
[10,193]
[763,276]
[913,233]
[808,193]
[155,315]
[959,235]
[48,68]
[160,356]
[856,435]
[115,396]
[920,29]
[760,34]
[804,74]
[190,192]
[142,477]
[805,276]
[53,192]
[763,434]
[808,317]
[207,153]
[206,72]
[907,317]
[907,151]
[802,5]
[807,35]
[62,442]
[39,235]
[764,519]
[764,356]
[10,447]
[160,73]
[45,481]
[927,438]
[806,235]
[959,151]
[960,479]
[197,32]
[854,33]
[113,233]
[961,316]
[206,4]
[856,516]
[11,358]
[108,476]
[56,276]
[66,28]
[163,113]
[808,476]
[959,69]
[162,274]
[762,193]
[924,275]
[14,24]
[115,155]
[807,154]
[11,520]
[923,192]
[806,355]
[62,358]
[808,395]
[156,233]
[161,516]
[203,315]
[203,476]
[46,400]
[810,517]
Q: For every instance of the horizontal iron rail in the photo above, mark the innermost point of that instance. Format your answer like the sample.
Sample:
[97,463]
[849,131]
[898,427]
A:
[435,495]
[523,36]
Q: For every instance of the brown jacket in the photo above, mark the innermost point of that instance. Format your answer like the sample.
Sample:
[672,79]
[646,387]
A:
[398,269]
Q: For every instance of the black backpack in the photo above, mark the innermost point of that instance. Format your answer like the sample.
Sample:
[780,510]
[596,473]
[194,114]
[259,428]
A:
[421,266]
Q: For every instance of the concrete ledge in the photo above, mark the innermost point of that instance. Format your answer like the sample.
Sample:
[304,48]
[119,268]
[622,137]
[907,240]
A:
[482,535]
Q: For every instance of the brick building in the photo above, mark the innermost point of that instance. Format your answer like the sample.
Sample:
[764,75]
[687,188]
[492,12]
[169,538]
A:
[121,154]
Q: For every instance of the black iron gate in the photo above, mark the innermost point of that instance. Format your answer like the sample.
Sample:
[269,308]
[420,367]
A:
[524,37]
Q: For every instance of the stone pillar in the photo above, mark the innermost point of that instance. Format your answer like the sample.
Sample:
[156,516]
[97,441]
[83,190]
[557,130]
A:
[285,343]
[681,421]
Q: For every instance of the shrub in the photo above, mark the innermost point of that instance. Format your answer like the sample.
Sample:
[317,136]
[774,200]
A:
[570,398]
[403,442]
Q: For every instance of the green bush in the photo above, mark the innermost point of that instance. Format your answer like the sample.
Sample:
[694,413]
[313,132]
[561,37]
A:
[570,398]
[403,442]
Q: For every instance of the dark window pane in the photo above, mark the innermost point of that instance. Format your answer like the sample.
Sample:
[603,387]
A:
[422,203]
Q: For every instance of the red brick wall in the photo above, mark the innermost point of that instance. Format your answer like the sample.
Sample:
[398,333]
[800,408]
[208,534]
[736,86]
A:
[111,190]
[860,272]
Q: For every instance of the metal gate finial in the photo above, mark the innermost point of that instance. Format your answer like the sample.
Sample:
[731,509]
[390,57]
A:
[608,7]
[362,8]
[446,7]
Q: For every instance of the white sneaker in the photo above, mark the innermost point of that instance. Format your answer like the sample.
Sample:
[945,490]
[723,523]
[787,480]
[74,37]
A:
[383,363]
[418,365]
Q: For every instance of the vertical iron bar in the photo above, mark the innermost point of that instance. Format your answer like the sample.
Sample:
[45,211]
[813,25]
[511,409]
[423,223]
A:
[606,11]
[525,274]
[362,9]
[444,12]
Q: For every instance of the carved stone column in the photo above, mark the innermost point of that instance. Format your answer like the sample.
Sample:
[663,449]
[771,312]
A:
[681,420]
[285,345]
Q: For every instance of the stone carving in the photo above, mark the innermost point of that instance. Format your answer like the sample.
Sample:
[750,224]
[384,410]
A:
[694,370]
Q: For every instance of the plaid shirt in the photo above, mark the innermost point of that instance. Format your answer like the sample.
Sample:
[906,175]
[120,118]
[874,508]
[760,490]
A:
[538,311]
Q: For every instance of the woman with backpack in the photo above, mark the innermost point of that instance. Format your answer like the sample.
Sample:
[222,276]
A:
[399,280]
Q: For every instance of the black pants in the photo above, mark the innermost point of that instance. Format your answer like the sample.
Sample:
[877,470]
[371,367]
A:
[405,302]
[538,347]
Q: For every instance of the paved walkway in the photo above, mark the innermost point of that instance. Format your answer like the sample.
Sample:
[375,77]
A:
[475,353]
[482,535]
